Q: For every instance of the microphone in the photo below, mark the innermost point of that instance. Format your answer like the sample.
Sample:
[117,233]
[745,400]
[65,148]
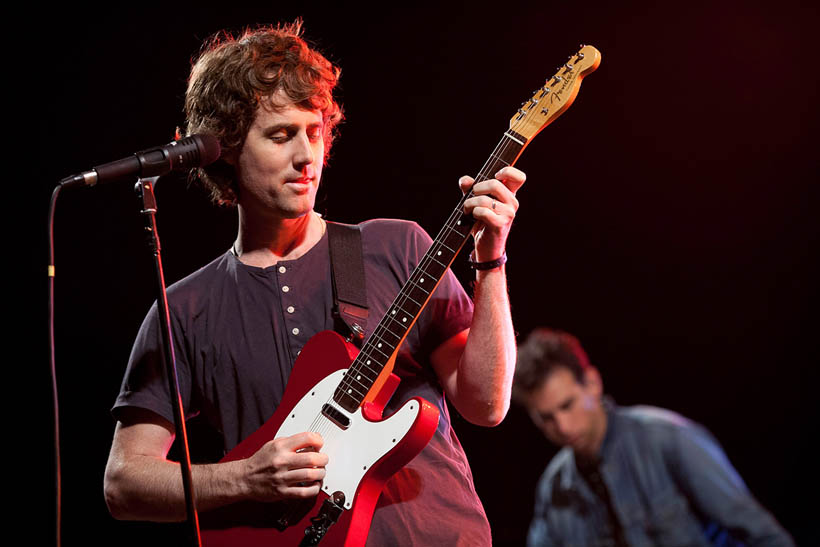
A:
[193,151]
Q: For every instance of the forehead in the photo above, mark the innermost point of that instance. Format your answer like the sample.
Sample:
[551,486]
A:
[279,108]
[555,390]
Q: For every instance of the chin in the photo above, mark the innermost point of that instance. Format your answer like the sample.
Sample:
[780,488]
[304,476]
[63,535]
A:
[296,210]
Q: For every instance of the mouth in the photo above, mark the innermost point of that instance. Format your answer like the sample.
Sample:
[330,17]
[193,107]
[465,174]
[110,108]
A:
[573,441]
[301,185]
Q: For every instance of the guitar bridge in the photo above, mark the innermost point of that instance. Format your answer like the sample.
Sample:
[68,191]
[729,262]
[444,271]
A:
[335,415]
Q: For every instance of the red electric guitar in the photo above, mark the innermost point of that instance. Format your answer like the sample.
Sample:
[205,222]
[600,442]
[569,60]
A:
[340,392]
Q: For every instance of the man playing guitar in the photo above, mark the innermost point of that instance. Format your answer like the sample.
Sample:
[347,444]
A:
[240,322]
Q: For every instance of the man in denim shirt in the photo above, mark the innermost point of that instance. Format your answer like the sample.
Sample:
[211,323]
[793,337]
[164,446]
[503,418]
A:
[627,476]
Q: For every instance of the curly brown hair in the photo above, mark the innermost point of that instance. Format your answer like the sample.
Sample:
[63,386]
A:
[544,351]
[232,77]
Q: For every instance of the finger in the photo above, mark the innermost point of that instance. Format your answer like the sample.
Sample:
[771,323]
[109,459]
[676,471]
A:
[305,476]
[511,177]
[496,189]
[498,218]
[308,459]
[484,201]
[301,442]
[488,217]
[465,183]
[302,491]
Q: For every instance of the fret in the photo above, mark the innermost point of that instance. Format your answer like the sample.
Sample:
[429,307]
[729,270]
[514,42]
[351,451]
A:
[448,248]
[454,229]
[348,389]
[346,401]
[368,373]
[419,287]
[349,382]
[454,235]
[499,159]
[383,353]
[404,323]
[408,297]
[405,306]
[443,265]
[414,294]
[442,252]
[383,331]
[365,363]
[433,268]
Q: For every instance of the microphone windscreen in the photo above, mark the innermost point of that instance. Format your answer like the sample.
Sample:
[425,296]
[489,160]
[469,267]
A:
[209,149]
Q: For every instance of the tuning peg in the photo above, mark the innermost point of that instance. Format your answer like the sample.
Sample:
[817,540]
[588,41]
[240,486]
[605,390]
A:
[580,55]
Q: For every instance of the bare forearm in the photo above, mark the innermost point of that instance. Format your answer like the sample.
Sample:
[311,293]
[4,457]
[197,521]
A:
[141,484]
[149,488]
[488,362]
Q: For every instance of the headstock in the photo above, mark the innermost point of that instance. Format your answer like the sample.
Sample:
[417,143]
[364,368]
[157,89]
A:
[556,95]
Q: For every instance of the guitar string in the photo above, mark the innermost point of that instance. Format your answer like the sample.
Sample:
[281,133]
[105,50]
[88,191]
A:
[322,424]
[422,269]
[435,250]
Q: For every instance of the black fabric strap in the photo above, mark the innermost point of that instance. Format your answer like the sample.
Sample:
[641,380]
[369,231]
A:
[347,272]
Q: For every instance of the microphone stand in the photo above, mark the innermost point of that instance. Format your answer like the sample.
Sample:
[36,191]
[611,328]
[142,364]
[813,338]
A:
[145,191]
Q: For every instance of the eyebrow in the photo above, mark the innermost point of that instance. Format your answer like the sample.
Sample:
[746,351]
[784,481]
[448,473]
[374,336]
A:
[563,406]
[288,126]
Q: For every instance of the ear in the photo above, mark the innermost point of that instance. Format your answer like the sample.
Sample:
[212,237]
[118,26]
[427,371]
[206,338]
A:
[593,382]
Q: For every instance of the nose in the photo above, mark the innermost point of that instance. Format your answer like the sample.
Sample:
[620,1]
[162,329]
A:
[562,424]
[304,154]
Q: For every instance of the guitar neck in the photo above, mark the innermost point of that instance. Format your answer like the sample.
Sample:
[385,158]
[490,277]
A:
[546,104]
[414,295]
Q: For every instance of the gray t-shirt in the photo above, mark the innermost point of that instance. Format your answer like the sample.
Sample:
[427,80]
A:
[237,331]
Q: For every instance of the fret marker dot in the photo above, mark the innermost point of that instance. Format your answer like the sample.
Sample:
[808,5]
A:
[350,391]
[394,312]
[421,280]
[439,253]
[359,377]
[368,361]
[459,223]
[404,320]
[380,344]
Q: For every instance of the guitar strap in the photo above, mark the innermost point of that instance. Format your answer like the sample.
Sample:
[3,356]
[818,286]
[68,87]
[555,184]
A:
[347,274]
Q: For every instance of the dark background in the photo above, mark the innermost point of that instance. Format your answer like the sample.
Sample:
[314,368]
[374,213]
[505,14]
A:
[668,220]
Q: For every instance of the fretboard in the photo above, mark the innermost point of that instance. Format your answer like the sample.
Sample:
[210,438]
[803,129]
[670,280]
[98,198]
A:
[414,295]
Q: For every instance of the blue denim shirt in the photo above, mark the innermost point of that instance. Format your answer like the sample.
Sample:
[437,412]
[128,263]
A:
[670,484]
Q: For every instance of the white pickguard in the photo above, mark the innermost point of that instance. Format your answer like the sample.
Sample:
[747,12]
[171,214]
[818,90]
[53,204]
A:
[352,451]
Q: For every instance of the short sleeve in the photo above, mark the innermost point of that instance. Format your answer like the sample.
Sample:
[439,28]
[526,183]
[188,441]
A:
[145,384]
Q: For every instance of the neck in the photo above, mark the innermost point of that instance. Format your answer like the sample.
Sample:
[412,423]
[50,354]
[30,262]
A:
[264,242]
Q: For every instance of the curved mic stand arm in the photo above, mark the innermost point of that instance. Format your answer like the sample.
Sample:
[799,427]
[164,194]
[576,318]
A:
[145,190]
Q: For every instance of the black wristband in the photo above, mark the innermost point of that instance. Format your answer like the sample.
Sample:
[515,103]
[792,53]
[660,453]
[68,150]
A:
[500,261]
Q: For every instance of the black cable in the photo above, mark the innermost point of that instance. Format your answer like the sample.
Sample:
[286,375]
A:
[57,471]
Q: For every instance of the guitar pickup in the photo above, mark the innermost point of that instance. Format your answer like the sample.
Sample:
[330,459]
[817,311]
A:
[335,415]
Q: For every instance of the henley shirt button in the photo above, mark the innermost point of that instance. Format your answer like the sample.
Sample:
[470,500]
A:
[291,309]
[285,288]
[282,269]
[295,330]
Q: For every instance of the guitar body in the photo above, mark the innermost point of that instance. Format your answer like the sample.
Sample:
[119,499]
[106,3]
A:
[340,392]
[362,455]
